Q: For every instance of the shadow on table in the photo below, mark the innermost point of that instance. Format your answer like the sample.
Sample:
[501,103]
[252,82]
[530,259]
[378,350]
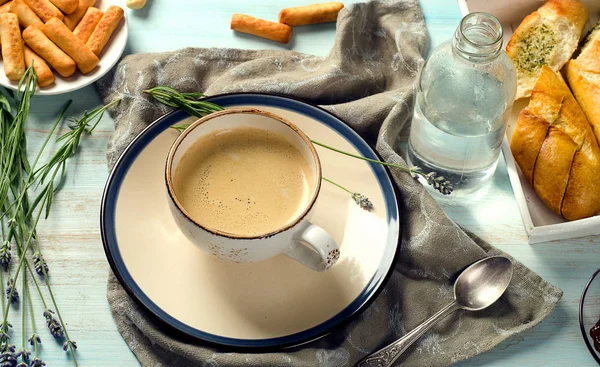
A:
[249,37]
[143,13]
[313,29]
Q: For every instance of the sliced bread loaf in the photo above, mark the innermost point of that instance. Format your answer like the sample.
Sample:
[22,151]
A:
[555,147]
[583,75]
[548,36]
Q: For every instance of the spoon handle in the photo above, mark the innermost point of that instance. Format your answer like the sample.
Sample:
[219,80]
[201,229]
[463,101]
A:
[386,356]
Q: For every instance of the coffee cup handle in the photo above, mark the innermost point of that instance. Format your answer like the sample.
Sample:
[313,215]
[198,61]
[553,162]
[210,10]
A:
[314,248]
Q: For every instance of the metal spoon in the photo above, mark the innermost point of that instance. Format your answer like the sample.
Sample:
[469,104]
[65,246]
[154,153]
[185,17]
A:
[477,287]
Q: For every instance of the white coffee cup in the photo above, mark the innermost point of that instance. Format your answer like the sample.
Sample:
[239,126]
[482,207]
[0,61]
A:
[301,240]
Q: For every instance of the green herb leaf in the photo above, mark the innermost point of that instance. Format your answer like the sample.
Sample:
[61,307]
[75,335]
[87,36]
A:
[191,103]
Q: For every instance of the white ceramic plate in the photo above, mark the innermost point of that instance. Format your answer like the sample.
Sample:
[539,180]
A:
[272,303]
[108,58]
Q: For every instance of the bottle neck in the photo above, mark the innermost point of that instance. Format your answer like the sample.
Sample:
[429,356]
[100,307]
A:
[478,38]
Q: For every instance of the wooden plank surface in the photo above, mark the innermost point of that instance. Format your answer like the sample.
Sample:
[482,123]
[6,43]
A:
[72,240]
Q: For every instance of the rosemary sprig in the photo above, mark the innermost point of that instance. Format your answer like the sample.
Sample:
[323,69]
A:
[17,177]
[193,105]
[57,162]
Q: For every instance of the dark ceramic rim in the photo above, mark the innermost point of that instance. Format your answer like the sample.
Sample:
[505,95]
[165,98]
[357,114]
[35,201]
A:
[176,328]
[233,111]
[584,332]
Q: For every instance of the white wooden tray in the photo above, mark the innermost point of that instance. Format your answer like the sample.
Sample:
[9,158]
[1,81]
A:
[540,222]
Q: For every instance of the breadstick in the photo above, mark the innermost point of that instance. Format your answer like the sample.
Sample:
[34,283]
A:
[261,28]
[5,8]
[26,16]
[66,6]
[88,23]
[12,46]
[44,74]
[105,29]
[72,19]
[136,4]
[44,9]
[58,33]
[41,45]
[310,14]
[3,2]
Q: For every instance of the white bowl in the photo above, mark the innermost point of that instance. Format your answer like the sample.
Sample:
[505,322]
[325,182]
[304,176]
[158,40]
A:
[108,58]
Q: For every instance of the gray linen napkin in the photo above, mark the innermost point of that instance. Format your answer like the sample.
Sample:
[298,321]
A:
[367,80]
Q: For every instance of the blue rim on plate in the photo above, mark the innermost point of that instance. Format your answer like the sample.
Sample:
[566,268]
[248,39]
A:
[364,299]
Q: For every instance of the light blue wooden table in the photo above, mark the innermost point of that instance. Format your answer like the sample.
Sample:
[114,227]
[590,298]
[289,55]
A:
[72,238]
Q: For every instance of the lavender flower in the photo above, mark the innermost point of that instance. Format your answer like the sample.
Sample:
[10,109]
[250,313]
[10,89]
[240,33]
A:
[23,353]
[362,201]
[11,291]
[68,343]
[36,362]
[8,358]
[35,338]
[40,264]
[5,254]
[4,336]
[4,327]
[53,325]
[438,183]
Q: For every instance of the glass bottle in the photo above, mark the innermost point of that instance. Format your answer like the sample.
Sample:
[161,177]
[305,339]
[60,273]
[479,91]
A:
[464,96]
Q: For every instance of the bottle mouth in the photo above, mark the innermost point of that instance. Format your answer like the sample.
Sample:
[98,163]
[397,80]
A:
[479,35]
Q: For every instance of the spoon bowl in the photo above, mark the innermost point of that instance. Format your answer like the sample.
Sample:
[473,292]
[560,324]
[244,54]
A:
[483,283]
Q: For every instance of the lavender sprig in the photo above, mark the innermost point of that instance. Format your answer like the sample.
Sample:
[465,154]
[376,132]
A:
[439,183]
[69,343]
[8,358]
[35,338]
[4,332]
[41,267]
[362,201]
[53,325]
[23,353]
[11,291]
[5,254]
[358,198]
[36,362]
[34,341]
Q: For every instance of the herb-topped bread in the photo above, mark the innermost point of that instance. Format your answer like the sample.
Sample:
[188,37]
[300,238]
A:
[548,36]
[583,75]
[555,147]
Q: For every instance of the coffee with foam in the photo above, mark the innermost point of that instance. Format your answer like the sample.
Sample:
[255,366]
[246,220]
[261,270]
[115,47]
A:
[243,181]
